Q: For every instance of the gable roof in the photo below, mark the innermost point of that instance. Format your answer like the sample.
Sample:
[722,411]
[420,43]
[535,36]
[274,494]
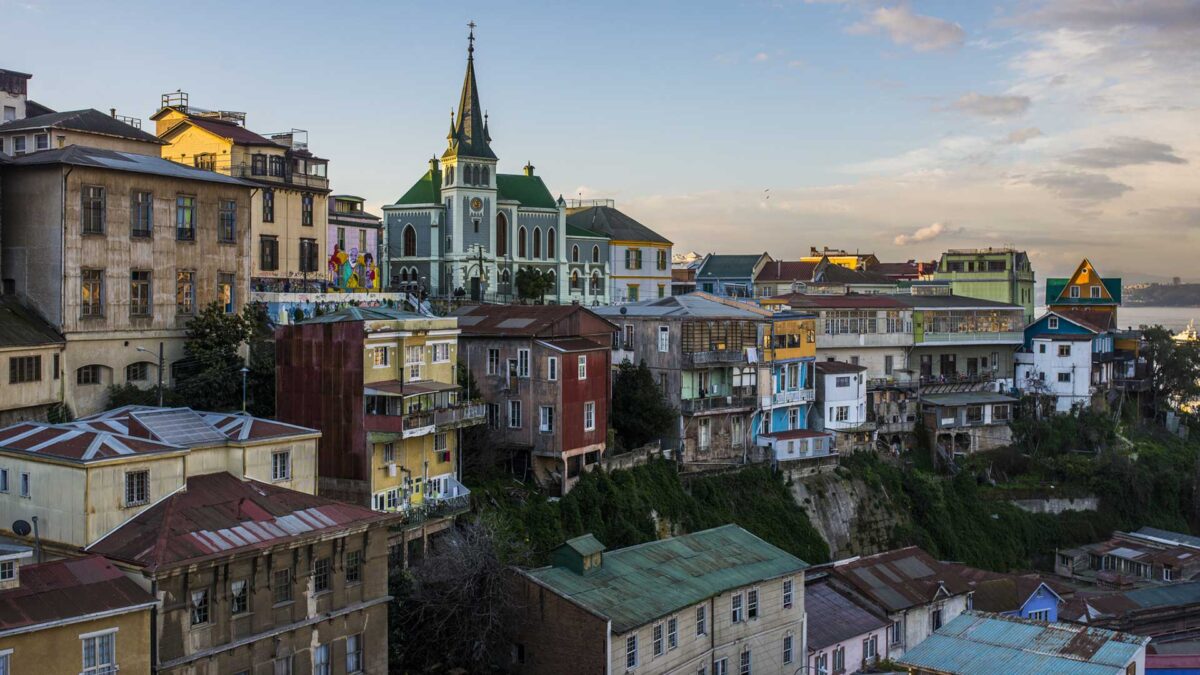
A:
[900,579]
[82,155]
[615,224]
[698,305]
[231,131]
[638,584]
[818,271]
[523,320]
[218,515]
[528,191]
[998,592]
[1092,321]
[88,120]
[717,266]
[1088,608]
[834,615]
[983,644]
[67,591]
[21,326]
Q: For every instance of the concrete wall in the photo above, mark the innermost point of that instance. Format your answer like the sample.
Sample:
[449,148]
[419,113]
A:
[29,400]
[916,622]
[853,652]
[556,635]
[57,497]
[1057,505]
[60,138]
[60,649]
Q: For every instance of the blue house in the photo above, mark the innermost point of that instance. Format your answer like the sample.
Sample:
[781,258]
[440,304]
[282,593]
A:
[1023,596]
[730,276]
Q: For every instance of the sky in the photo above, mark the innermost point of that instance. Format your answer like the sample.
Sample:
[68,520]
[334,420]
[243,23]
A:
[1067,128]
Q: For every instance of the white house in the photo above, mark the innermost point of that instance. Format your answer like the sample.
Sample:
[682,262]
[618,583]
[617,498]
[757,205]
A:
[842,403]
[1057,358]
[845,635]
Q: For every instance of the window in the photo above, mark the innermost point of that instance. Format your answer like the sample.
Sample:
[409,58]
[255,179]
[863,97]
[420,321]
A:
[354,561]
[258,165]
[137,372]
[24,369]
[91,292]
[1064,350]
[537,242]
[787,648]
[141,214]
[522,363]
[88,375]
[18,145]
[3,480]
[582,367]
[441,352]
[672,633]
[521,251]
[92,211]
[25,488]
[200,607]
[8,570]
[1094,291]
[842,381]
[888,364]
[227,221]
[239,597]
[137,488]
[551,244]
[935,618]
[870,648]
[631,292]
[1074,291]
[99,654]
[658,644]
[268,205]
[281,586]
[735,608]
[841,413]
[140,303]
[596,253]
[744,663]
[306,209]
[703,433]
[185,218]
[839,659]
[575,253]
[10,113]
[821,664]
[414,358]
[633,259]
[631,655]
[1052,323]
[662,291]
[321,575]
[662,259]
[1064,377]
[546,419]
[281,465]
[225,292]
[514,414]
[552,368]
[41,141]
[354,654]
[752,604]
[321,660]
[493,361]
[589,416]
[308,255]
[185,292]
[389,453]
[283,664]
[721,667]
[627,338]
[701,620]
[894,633]
[974,413]
[664,339]
[493,415]
[1040,615]
[787,594]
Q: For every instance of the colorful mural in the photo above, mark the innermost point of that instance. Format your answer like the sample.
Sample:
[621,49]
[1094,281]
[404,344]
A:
[350,267]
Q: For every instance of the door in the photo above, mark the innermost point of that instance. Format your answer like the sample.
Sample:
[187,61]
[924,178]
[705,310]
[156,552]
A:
[948,366]
[972,366]
[476,289]
[926,366]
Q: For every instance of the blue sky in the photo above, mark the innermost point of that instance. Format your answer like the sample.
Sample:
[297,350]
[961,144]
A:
[1062,126]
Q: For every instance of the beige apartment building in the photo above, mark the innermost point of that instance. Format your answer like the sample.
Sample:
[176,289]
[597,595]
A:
[719,601]
[118,251]
[30,359]
[82,479]
[289,211]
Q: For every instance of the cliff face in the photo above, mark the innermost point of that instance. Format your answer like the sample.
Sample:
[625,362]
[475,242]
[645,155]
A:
[853,518]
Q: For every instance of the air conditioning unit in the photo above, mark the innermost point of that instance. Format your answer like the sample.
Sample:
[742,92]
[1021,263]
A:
[392,470]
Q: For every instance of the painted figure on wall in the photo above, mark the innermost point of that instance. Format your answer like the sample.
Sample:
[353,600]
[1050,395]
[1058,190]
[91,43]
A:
[353,270]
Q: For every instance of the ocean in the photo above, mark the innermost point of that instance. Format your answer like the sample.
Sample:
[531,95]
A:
[1173,318]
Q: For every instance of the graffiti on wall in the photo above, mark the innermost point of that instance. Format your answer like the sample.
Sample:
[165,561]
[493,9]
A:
[352,265]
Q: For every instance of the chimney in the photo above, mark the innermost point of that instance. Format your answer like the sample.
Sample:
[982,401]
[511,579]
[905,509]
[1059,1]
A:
[528,169]
[112,112]
[433,163]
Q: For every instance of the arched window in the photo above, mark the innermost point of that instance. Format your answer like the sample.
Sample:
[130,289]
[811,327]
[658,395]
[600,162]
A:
[521,250]
[575,253]
[450,176]
[409,248]
[483,179]
[501,234]
[404,274]
[537,242]
[597,283]
[551,245]
[595,254]
[505,277]
[575,281]
[553,280]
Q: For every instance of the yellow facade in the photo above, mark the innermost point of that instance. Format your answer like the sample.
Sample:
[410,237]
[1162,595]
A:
[858,261]
[59,649]
[791,339]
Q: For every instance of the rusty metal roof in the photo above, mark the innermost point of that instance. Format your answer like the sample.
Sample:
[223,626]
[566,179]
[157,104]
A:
[835,616]
[218,515]
[66,589]
[979,643]
[638,584]
[899,579]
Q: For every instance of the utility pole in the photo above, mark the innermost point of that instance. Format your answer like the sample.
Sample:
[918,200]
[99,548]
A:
[161,364]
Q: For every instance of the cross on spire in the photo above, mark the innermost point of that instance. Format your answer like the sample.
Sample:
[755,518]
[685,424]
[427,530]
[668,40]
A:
[471,40]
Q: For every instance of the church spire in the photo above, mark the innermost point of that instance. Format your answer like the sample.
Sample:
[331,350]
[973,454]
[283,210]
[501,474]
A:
[469,137]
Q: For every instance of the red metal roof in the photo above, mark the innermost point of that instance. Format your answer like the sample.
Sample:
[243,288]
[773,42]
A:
[785,270]
[219,514]
[75,441]
[525,320]
[66,589]
[232,131]
[899,579]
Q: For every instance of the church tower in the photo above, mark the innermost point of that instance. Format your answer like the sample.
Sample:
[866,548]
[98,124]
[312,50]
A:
[469,187]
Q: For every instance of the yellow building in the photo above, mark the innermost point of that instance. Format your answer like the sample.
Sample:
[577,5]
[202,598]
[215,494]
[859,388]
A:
[289,210]
[87,477]
[72,616]
[860,262]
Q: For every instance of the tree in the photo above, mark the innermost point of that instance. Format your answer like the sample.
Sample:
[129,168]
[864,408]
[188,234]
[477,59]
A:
[640,412]
[532,284]
[452,610]
[260,381]
[211,379]
[1174,369]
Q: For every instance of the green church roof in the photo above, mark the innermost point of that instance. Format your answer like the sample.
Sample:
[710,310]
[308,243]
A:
[427,190]
[528,191]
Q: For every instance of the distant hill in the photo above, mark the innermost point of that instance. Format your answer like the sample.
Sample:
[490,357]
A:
[1163,295]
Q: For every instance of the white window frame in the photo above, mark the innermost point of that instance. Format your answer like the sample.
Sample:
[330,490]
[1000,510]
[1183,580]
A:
[96,668]
[552,368]
[233,595]
[701,620]
[745,664]
[523,362]
[26,485]
[1040,615]
[1094,292]
[514,418]
[493,364]
[133,500]
[787,648]
[380,357]
[589,416]
[721,666]
[1075,291]
[354,656]
[546,419]
[441,352]
[672,633]
[736,608]
[788,593]
[631,652]
[8,570]
[286,473]
[658,639]
[752,604]
[664,339]
[1052,323]
[4,480]
[322,660]
[582,366]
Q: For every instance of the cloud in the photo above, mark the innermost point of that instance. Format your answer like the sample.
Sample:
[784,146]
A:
[1079,185]
[761,56]
[1124,151]
[984,105]
[1019,136]
[924,234]
[905,27]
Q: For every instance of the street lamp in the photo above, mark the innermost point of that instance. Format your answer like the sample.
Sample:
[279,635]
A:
[160,370]
[244,371]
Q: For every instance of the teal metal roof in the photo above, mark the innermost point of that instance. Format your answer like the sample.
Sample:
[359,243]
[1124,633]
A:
[527,190]
[728,266]
[638,584]
[1055,286]
[985,644]
[585,545]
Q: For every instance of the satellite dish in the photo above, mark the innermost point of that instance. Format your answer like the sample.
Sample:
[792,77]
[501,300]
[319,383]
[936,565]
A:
[21,528]
[624,310]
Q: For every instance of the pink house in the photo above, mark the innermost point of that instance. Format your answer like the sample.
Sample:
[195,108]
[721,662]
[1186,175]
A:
[844,632]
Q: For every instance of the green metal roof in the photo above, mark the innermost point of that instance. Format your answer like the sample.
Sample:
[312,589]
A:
[526,190]
[427,190]
[638,584]
[1055,286]
[585,545]
[576,231]
[728,266]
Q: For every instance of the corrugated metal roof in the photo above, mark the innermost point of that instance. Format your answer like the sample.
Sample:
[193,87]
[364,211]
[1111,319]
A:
[614,224]
[982,644]
[834,616]
[20,326]
[899,579]
[967,398]
[80,155]
[728,266]
[364,314]
[691,305]
[1167,535]
[638,584]
[67,589]
[87,120]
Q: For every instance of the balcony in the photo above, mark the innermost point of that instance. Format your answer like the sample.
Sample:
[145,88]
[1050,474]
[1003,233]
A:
[418,424]
[716,357]
[789,397]
[848,340]
[462,416]
[455,500]
[393,424]
[290,178]
[717,404]
[964,338]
